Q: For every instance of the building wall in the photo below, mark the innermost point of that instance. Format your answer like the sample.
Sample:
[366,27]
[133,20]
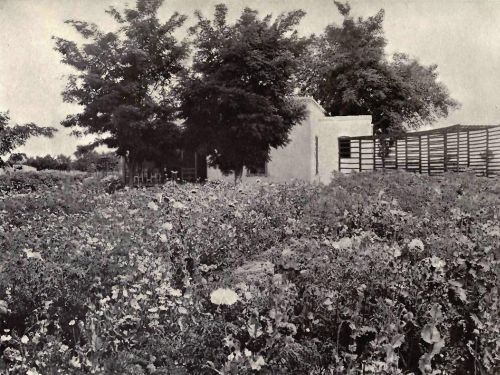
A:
[289,162]
[297,160]
[286,163]
[328,130]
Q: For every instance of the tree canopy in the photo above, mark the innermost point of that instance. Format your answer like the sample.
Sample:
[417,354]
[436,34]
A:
[347,70]
[135,84]
[124,81]
[13,136]
[236,101]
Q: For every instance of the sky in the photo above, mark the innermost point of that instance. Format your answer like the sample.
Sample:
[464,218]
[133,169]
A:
[461,37]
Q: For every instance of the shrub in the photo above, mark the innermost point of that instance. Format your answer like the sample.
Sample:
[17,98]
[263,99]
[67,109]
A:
[28,182]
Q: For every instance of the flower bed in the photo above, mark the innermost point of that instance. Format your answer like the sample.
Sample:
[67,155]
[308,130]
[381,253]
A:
[376,273]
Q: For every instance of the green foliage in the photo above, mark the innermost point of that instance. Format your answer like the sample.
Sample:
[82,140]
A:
[124,81]
[13,136]
[93,161]
[60,162]
[28,182]
[90,161]
[236,101]
[346,69]
[17,157]
[377,273]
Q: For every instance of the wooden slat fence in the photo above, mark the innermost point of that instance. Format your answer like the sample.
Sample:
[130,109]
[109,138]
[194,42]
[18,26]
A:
[456,148]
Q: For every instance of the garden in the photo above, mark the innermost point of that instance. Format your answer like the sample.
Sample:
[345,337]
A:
[377,273]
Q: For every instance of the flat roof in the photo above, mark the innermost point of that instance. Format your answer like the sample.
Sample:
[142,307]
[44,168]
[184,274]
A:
[448,129]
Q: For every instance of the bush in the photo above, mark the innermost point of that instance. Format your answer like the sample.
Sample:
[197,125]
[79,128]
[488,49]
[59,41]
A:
[28,182]
[60,162]
[376,273]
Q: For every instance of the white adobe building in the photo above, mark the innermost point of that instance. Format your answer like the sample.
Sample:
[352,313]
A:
[312,154]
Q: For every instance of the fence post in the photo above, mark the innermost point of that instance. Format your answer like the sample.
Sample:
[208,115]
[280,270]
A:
[458,150]
[396,152]
[428,154]
[406,153]
[420,154]
[340,165]
[382,153]
[468,149]
[374,158]
[360,155]
[445,158]
[487,151]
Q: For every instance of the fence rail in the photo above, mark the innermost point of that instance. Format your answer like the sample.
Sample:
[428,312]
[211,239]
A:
[456,148]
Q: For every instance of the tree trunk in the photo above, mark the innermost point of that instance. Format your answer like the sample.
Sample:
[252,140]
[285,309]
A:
[132,169]
[238,173]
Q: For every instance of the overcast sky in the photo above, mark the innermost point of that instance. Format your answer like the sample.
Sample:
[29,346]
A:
[461,37]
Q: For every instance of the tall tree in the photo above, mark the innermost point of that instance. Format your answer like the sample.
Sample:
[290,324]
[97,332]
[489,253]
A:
[124,81]
[347,70]
[237,102]
[13,136]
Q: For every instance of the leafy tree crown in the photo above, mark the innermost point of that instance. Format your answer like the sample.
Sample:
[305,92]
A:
[347,70]
[124,81]
[237,101]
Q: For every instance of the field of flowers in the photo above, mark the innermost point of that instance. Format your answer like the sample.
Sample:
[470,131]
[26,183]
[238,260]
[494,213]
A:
[387,273]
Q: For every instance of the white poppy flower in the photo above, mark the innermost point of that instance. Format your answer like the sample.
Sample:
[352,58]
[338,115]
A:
[223,296]
[437,263]
[416,244]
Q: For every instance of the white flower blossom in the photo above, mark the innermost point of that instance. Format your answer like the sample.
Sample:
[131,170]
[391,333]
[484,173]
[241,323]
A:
[25,339]
[416,244]
[32,254]
[153,206]
[234,356]
[258,363]
[174,292]
[4,307]
[223,296]
[167,226]
[437,263]
[5,338]
[75,362]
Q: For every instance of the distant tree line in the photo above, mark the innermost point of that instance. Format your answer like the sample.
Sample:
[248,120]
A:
[15,135]
[91,161]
